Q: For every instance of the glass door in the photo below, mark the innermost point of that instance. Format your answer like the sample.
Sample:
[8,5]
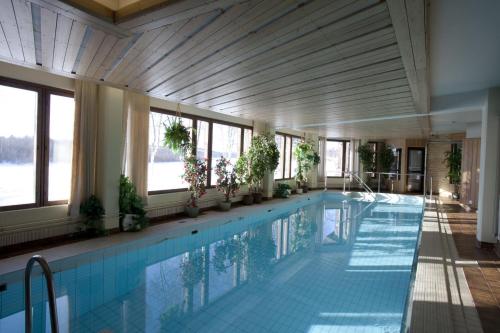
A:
[415,169]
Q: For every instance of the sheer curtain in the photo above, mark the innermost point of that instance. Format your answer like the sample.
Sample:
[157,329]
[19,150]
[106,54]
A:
[83,176]
[136,140]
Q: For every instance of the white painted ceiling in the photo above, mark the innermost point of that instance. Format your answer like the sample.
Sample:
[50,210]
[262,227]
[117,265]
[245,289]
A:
[322,64]
[464,45]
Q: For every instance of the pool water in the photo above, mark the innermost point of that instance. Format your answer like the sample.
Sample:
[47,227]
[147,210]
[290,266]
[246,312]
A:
[327,264]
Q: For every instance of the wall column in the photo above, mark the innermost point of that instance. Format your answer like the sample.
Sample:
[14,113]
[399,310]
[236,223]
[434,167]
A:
[109,159]
[487,215]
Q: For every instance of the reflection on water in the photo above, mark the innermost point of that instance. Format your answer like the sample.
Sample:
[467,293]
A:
[294,271]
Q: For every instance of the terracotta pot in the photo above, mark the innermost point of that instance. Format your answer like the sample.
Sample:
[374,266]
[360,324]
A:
[225,205]
[192,211]
[248,199]
[257,198]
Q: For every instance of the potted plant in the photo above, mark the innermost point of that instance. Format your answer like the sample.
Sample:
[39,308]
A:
[306,158]
[263,156]
[195,174]
[385,159]
[93,211]
[132,213]
[226,182]
[283,190]
[244,176]
[367,157]
[177,136]
[453,161]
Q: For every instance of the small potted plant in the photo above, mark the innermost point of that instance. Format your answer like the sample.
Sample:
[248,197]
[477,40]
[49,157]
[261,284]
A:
[263,156]
[132,213]
[453,161]
[93,211]
[283,190]
[244,176]
[306,158]
[177,136]
[195,174]
[226,182]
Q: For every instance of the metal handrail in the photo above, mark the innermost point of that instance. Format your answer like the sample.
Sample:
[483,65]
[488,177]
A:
[359,180]
[51,293]
[356,176]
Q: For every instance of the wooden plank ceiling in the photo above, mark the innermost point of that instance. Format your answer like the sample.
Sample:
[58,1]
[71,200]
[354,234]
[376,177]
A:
[303,64]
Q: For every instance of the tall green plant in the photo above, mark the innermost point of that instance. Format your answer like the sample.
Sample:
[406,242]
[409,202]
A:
[195,174]
[367,157]
[226,178]
[385,158]
[263,156]
[306,158]
[453,161]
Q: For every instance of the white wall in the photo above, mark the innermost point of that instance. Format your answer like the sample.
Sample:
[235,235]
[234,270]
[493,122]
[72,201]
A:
[473,131]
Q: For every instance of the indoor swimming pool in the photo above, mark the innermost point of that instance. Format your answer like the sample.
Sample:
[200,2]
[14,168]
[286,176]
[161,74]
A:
[324,263]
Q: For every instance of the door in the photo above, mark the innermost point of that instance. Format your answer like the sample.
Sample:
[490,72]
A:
[415,169]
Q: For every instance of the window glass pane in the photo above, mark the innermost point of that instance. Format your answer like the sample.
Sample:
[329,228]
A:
[288,150]
[18,122]
[348,156]
[226,141]
[165,168]
[295,142]
[280,141]
[334,157]
[247,139]
[202,140]
[62,117]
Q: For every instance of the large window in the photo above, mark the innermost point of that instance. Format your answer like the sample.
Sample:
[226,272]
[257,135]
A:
[226,141]
[36,145]
[337,157]
[165,168]
[287,164]
[212,140]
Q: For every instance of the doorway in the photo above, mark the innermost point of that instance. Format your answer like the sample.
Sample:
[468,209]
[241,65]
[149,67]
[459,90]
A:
[415,169]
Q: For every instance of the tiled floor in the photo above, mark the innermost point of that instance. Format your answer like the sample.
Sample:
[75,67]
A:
[483,278]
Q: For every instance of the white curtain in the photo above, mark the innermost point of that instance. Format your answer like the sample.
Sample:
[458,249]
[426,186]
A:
[83,178]
[136,140]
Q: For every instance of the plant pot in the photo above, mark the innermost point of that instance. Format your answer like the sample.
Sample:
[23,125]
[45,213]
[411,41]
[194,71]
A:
[192,211]
[225,205]
[257,197]
[128,222]
[299,190]
[305,188]
[248,199]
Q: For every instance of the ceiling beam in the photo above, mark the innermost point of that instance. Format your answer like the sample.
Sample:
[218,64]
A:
[409,18]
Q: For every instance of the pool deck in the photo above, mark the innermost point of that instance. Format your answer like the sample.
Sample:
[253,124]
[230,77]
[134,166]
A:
[442,301]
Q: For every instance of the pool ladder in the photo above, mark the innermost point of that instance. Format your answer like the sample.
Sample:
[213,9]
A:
[50,290]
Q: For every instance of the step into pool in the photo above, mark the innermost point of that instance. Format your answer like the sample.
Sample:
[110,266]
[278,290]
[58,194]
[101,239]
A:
[332,263]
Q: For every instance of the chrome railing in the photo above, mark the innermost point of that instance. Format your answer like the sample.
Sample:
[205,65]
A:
[358,177]
[28,316]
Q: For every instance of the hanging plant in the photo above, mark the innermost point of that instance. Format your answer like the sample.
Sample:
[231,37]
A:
[177,136]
